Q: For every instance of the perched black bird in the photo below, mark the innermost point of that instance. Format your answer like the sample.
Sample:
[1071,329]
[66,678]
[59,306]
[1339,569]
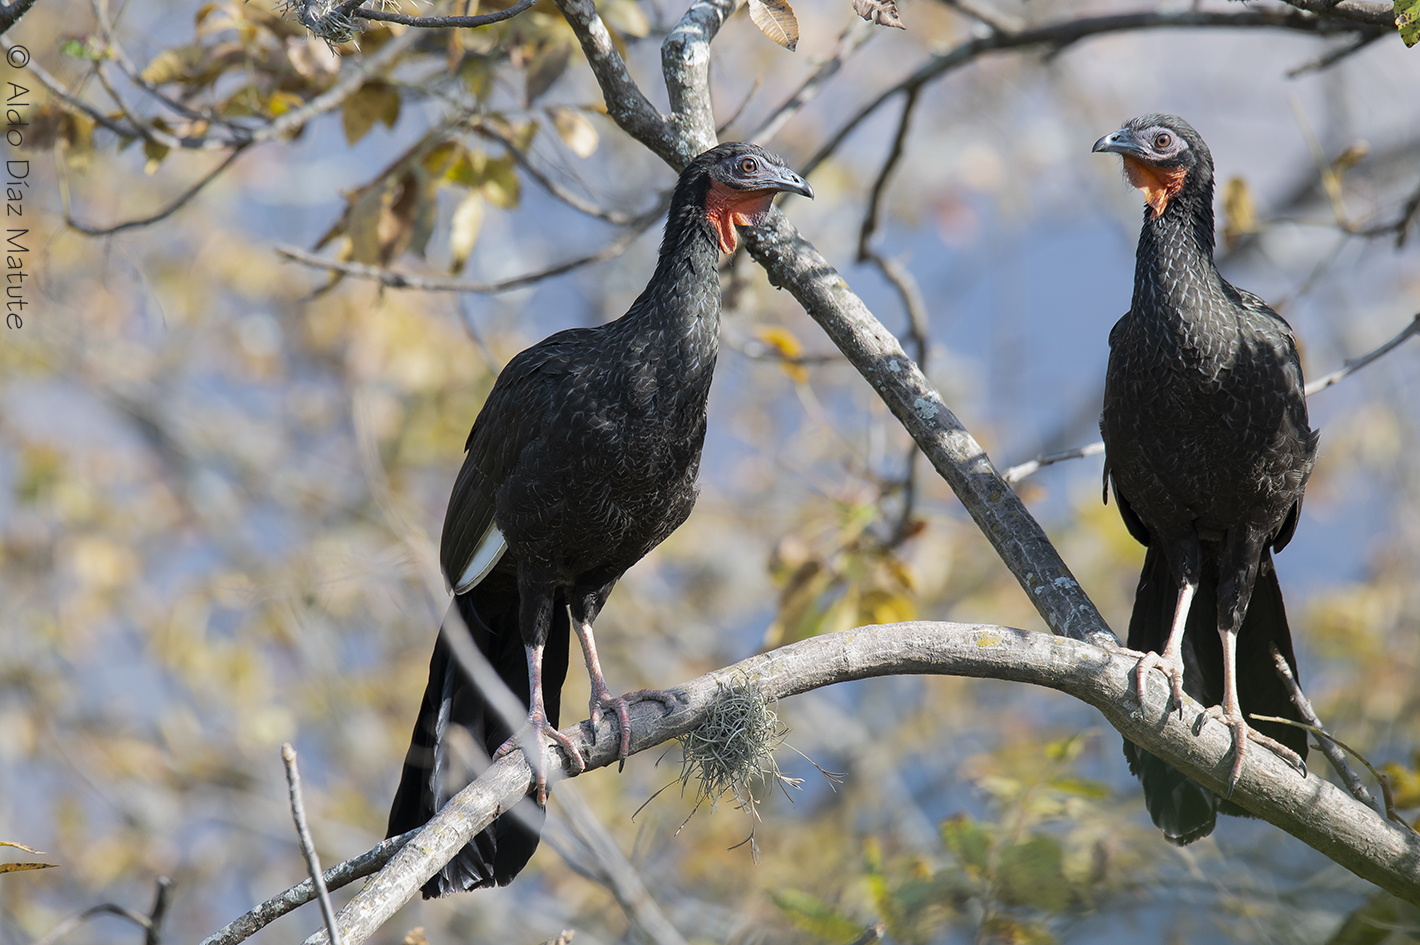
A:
[1208,449]
[583,459]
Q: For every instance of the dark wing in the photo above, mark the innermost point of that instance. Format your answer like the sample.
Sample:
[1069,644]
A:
[1298,438]
[505,427]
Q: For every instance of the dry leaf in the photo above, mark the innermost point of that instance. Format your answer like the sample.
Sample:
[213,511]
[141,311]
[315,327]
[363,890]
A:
[576,131]
[17,867]
[1239,212]
[545,69]
[775,19]
[416,936]
[881,12]
[375,101]
[627,18]
[463,231]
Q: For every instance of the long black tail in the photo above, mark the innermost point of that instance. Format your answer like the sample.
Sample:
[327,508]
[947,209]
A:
[495,856]
[1182,808]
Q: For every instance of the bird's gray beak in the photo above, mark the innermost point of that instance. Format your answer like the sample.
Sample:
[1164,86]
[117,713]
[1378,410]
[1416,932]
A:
[786,180]
[1118,142]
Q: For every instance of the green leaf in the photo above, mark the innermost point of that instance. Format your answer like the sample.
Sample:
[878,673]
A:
[1407,20]
[1030,875]
[1081,787]
[969,841]
[815,916]
[500,184]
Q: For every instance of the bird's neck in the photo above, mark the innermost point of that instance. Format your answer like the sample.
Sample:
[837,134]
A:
[1174,273]
[678,314]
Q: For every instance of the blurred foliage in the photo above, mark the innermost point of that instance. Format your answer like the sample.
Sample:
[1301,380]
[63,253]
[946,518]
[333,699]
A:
[220,487]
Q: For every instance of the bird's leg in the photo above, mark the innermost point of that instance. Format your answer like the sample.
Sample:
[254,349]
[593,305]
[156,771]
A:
[1171,660]
[1230,714]
[530,737]
[602,697]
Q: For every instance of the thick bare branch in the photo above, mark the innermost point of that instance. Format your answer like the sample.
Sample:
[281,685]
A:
[1352,11]
[625,103]
[1316,811]
[11,12]
[793,263]
[685,60]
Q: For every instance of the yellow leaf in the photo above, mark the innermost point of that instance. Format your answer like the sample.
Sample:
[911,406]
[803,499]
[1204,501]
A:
[1239,212]
[154,152]
[17,867]
[21,846]
[463,232]
[576,131]
[500,184]
[787,346]
[375,101]
[1407,20]
[172,65]
[775,19]
[282,102]
[626,17]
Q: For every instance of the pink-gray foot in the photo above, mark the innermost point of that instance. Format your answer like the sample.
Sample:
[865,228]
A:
[603,699]
[537,732]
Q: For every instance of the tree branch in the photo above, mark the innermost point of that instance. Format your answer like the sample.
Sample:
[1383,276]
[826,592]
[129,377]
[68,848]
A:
[400,280]
[1062,34]
[443,22]
[1311,809]
[11,12]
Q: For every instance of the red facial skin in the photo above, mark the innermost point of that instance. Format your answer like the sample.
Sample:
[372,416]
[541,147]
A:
[726,206]
[1157,183]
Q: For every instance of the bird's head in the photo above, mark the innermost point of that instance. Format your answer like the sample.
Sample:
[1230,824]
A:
[736,183]
[1162,154]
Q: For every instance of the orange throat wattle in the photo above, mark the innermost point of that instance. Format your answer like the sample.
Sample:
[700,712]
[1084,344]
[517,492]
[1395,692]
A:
[1159,184]
[726,206]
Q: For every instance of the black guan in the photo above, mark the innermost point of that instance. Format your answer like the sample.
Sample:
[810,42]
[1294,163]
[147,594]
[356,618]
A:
[583,458]
[1208,450]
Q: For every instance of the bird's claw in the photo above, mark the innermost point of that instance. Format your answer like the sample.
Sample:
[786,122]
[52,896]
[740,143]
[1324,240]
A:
[1242,734]
[1171,666]
[534,733]
[603,699]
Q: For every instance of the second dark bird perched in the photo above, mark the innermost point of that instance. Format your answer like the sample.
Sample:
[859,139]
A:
[583,458]
[1208,450]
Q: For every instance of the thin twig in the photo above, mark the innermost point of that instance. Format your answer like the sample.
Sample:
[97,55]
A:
[357,867]
[89,229]
[1320,732]
[857,33]
[1354,365]
[1068,32]
[308,847]
[401,280]
[443,22]
[152,935]
[575,201]
[1019,472]
[1328,746]
[1331,58]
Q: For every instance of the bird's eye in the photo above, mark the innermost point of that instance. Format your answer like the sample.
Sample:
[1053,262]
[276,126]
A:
[748,165]
[1162,140]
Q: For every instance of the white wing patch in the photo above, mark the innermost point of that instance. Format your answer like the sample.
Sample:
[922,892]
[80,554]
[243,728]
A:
[489,550]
